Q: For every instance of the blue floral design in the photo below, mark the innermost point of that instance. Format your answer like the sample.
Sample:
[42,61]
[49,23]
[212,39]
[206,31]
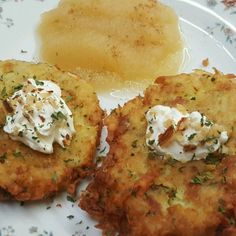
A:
[230,35]
[7,231]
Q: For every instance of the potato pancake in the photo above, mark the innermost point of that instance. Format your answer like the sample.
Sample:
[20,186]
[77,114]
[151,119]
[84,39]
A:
[31,175]
[135,40]
[135,192]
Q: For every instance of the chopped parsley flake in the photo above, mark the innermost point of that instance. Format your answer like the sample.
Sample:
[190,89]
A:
[39,83]
[70,217]
[4,92]
[151,130]
[134,144]
[212,159]
[103,150]
[70,199]
[202,119]
[221,209]
[17,153]
[208,123]
[151,142]
[193,157]
[69,98]
[3,158]
[202,178]
[205,121]
[20,134]
[210,138]
[196,180]
[68,160]
[58,115]
[54,177]
[190,137]
[18,87]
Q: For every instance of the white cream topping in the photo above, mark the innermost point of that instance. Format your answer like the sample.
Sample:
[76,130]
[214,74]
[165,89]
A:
[183,136]
[40,116]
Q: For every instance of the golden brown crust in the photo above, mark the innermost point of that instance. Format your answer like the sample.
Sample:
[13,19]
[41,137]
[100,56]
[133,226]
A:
[30,175]
[137,193]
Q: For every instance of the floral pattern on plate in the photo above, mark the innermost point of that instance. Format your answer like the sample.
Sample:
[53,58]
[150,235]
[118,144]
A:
[230,35]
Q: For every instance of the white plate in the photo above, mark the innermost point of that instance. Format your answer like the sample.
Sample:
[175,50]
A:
[209,30]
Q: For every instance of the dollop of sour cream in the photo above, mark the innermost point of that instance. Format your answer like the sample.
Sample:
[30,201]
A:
[39,116]
[181,135]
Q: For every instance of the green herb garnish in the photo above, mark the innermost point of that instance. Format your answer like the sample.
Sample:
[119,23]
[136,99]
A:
[213,159]
[17,153]
[196,180]
[4,92]
[151,130]
[70,217]
[193,156]
[208,123]
[18,87]
[3,158]
[69,98]
[39,83]
[221,209]
[210,138]
[20,134]
[202,119]
[151,142]
[134,144]
[70,199]
[190,137]
[58,115]
[103,150]
[54,177]
[202,178]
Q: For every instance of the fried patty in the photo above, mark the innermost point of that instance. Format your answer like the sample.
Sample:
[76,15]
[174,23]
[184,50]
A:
[135,192]
[30,175]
